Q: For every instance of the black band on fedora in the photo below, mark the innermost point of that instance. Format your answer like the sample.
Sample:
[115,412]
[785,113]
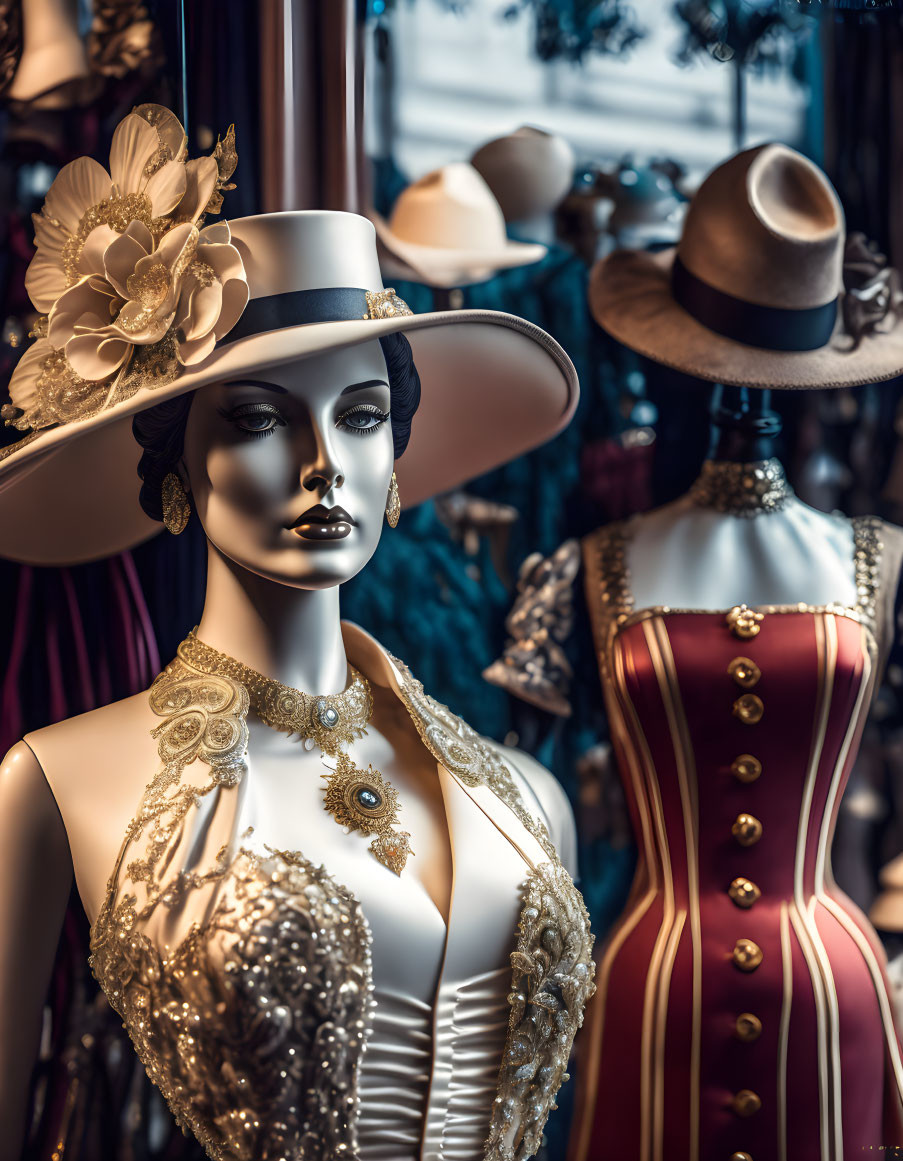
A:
[772,327]
[278,311]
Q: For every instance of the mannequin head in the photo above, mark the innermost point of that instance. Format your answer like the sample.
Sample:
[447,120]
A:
[257,453]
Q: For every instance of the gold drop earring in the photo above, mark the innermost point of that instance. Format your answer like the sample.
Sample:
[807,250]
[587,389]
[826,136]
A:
[393,503]
[176,508]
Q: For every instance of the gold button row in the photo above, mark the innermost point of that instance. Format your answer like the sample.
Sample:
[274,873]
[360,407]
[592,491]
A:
[749,708]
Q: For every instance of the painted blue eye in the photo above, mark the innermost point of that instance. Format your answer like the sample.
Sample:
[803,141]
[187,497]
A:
[362,420]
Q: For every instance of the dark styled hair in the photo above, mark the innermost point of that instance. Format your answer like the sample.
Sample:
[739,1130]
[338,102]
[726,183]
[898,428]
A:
[160,430]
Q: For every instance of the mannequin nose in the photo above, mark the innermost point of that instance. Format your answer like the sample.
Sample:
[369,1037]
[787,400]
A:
[325,472]
[317,480]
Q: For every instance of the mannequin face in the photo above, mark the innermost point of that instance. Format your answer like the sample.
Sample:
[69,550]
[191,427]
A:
[268,459]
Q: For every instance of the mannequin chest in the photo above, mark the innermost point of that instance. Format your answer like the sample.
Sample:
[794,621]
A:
[689,557]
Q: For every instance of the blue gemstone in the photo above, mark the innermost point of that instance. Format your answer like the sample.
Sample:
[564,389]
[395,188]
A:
[369,799]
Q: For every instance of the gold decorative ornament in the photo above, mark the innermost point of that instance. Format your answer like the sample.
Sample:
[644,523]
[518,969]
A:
[386,304]
[745,490]
[360,800]
[332,722]
[747,955]
[746,1103]
[744,892]
[393,503]
[748,1027]
[749,709]
[747,830]
[100,337]
[746,768]
[744,622]
[363,800]
[176,508]
[744,672]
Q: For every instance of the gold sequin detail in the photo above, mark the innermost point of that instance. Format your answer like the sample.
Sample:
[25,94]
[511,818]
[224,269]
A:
[117,212]
[386,304]
[746,490]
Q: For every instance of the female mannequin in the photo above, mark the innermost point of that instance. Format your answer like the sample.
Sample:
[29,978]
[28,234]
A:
[252,946]
[743,1009]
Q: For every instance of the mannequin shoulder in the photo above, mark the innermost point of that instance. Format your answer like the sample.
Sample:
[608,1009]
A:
[533,665]
[95,751]
[544,797]
[26,796]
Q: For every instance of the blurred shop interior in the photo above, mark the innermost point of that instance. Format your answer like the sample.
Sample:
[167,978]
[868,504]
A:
[342,105]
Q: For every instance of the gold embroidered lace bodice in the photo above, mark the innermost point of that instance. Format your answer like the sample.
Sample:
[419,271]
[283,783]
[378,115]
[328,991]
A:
[252,1008]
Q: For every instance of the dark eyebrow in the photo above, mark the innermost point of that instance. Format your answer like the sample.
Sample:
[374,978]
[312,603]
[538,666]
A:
[257,383]
[366,383]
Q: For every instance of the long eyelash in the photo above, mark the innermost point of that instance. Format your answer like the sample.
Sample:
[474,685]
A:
[245,409]
[370,409]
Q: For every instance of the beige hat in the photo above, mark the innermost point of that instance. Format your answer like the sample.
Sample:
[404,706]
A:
[139,315]
[448,230]
[751,294]
[529,171]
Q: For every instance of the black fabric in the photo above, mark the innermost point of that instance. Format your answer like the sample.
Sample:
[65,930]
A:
[278,311]
[770,327]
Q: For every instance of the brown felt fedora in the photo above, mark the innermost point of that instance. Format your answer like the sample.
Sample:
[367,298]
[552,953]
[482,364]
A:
[752,294]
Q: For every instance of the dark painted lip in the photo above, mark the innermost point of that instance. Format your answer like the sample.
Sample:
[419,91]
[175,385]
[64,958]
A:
[320,514]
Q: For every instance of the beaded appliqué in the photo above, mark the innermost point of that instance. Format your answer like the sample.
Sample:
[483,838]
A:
[253,1025]
[552,964]
[533,665]
[747,490]
[552,981]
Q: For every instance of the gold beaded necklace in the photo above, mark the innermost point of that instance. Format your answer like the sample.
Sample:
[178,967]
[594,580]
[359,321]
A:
[357,799]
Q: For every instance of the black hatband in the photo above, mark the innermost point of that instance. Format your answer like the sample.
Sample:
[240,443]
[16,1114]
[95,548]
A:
[772,327]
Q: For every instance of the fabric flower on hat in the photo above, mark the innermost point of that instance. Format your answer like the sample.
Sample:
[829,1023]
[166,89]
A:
[123,266]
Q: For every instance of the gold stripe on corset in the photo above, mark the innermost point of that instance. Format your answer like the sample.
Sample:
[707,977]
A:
[803,921]
[662,656]
[784,1030]
[825,877]
[623,719]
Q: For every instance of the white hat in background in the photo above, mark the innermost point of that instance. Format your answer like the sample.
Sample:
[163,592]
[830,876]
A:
[448,230]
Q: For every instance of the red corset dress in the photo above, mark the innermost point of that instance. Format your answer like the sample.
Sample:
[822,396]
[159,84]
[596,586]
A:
[742,1012]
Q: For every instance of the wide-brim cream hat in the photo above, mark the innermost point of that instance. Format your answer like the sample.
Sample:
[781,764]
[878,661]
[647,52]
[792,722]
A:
[752,294]
[257,292]
[447,230]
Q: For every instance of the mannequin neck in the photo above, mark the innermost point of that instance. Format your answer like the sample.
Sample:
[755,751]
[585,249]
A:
[290,634]
[744,428]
